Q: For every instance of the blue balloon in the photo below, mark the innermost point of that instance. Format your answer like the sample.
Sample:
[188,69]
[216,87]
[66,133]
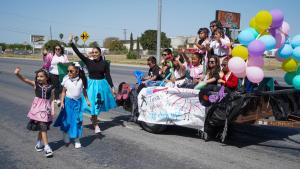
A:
[246,36]
[296,41]
[285,51]
[296,53]
[269,41]
[296,82]
[253,31]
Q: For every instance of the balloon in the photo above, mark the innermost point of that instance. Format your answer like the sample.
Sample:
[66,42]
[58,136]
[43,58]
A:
[263,19]
[252,23]
[253,31]
[285,28]
[272,31]
[289,65]
[236,65]
[278,58]
[240,51]
[288,77]
[295,41]
[285,51]
[240,75]
[254,74]
[256,61]
[245,37]
[277,18]
[296,54]
[296,82]
[269,41]
[256,48]
[280,39]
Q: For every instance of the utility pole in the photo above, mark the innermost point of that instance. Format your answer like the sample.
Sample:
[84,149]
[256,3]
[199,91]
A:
[50,33]
[158,31]
[124,31]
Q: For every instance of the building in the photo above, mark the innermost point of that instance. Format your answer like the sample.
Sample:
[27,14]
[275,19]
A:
[186,42]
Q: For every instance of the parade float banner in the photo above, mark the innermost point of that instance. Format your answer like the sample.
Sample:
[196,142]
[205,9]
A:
[228,19]
[171,106]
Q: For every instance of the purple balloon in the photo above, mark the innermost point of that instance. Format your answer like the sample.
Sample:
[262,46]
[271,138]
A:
[256,48]
[256,61]
[277,18]
[272,31]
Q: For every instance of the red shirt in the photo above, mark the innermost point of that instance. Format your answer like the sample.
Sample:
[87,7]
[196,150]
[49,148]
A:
[231,82]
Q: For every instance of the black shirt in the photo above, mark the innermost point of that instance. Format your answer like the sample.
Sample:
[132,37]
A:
[154,71]
[97,69]
[43,92]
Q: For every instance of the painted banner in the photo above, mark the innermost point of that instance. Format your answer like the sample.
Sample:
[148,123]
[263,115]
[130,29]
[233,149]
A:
[171,106]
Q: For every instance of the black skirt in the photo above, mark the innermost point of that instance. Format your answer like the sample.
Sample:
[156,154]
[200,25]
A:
[38,125]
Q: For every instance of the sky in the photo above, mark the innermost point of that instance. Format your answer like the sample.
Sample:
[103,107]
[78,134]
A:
[107,18]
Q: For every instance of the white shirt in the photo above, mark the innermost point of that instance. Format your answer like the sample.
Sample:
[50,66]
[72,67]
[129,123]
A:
[219,48]
[74,87]
[55,60]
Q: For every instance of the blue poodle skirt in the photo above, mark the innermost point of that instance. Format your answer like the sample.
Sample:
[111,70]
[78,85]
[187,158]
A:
[100,96]
[70,118]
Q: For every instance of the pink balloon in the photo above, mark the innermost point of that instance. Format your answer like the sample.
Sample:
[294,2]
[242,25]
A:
[237,65]
[280,39]
[240,75]
[256,61]
[254,74]
[285,28]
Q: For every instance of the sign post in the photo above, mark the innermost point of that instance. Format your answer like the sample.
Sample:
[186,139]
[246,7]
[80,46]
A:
[84,37]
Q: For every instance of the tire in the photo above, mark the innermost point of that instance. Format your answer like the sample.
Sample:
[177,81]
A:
[153,128]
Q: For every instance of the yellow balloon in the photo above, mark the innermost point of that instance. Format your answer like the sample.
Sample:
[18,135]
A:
[263,19]
[252,23]
[240,51]
[289,65]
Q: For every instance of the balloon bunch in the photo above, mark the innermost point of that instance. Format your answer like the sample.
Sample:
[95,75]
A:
[267,31]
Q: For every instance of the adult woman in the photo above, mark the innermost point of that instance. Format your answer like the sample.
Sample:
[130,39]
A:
[100,85]
[58,57]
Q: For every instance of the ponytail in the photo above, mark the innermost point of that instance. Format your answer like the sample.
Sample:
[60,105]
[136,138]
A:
[83,78]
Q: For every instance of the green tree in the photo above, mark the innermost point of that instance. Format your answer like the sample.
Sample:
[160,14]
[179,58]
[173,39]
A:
[138,46]
[117,45]
[94,44]
[76,39]
[3,46]
[52,43]
[107,41]
[61,36]
[131,42]
[148,40]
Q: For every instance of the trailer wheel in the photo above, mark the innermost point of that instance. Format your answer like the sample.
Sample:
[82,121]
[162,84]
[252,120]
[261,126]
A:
[153,128]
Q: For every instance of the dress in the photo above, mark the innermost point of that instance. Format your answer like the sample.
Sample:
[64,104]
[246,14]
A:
[99,83]
[41,109]
[70,118]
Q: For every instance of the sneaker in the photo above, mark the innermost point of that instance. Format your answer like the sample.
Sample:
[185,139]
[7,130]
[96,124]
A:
[77,145]
[39,148]
[97,129]
[48,152]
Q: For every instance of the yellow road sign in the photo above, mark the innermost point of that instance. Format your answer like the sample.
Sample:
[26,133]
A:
[84,36]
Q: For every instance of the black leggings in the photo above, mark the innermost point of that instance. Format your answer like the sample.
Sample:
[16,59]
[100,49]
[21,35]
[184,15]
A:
[57,87]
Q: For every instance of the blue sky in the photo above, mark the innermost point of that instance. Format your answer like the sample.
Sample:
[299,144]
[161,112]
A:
[106,18]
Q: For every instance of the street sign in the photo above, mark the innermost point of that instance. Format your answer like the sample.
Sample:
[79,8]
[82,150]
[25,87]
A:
[84,36]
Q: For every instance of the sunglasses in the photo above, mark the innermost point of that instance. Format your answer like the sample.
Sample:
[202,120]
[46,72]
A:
[164,54]
[212,62]
[57,49]
[71,71]
[212,25]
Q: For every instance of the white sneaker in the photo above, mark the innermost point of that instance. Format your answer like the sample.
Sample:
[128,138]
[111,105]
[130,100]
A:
[48,152]
[77,145]
[66,138]
[97,129]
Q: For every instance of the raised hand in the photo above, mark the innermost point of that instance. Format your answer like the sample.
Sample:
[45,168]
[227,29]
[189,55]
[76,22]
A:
[17,70]
[71,37]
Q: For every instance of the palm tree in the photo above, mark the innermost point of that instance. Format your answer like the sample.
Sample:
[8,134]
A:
[61,36]
[76,38]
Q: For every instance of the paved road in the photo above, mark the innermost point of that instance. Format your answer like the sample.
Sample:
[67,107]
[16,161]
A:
[126,145]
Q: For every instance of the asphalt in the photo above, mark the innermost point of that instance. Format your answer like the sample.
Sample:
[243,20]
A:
[125,145]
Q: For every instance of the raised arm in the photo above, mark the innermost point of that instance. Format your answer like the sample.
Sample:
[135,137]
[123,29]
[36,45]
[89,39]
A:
[23,78]
[78,53]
